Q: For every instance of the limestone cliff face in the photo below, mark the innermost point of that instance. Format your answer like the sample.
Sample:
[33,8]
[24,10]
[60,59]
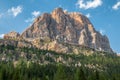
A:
[51,31]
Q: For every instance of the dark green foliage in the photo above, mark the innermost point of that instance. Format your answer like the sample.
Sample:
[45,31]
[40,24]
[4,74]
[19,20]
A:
[35,64]
[60,74]
[80,75]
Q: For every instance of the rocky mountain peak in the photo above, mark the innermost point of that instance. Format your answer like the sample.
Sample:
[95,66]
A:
[12,35]
[58,11]
[51,31]
[58,15]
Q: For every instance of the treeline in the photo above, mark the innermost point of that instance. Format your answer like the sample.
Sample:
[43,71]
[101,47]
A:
[35,71]
[98,66]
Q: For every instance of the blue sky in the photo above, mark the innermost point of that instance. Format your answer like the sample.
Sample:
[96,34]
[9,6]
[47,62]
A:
[17,15]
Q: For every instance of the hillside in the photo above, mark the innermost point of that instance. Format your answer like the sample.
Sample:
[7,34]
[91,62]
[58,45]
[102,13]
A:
[34,64]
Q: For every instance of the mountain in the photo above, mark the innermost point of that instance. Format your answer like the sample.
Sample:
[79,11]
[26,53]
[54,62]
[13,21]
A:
[51,31]
[58,46]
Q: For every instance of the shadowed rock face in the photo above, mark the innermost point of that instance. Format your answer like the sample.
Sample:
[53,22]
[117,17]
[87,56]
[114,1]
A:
[64,27]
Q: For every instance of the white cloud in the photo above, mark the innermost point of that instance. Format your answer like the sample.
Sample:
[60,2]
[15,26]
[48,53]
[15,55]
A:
[2,35]
[1,15]
[15,11]
[65,10]
[29,20]
[35,13]
[116,6]
[102,31]
[60,6]
[89,4]
[88,15]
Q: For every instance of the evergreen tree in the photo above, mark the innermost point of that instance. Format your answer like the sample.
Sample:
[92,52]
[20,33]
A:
[60,74]
[79,75]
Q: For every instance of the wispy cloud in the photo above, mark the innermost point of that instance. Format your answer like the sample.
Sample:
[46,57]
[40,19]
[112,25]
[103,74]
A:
[102,31]
[60,5]
[65,10]
[116,6]
[34,15]
[29,20]
[2,35]
[1,15]
[88,15]
[15,10]
[89,4]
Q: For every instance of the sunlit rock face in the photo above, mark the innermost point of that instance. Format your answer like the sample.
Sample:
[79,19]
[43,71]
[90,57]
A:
[51,30]
[12,35]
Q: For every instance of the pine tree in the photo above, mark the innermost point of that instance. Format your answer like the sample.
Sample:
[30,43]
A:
[79,75]
[60,74]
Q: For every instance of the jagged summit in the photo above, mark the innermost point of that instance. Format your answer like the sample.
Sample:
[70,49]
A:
[58,28]
[58,10]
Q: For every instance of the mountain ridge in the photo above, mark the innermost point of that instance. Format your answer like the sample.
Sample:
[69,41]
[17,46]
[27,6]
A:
[49,30]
